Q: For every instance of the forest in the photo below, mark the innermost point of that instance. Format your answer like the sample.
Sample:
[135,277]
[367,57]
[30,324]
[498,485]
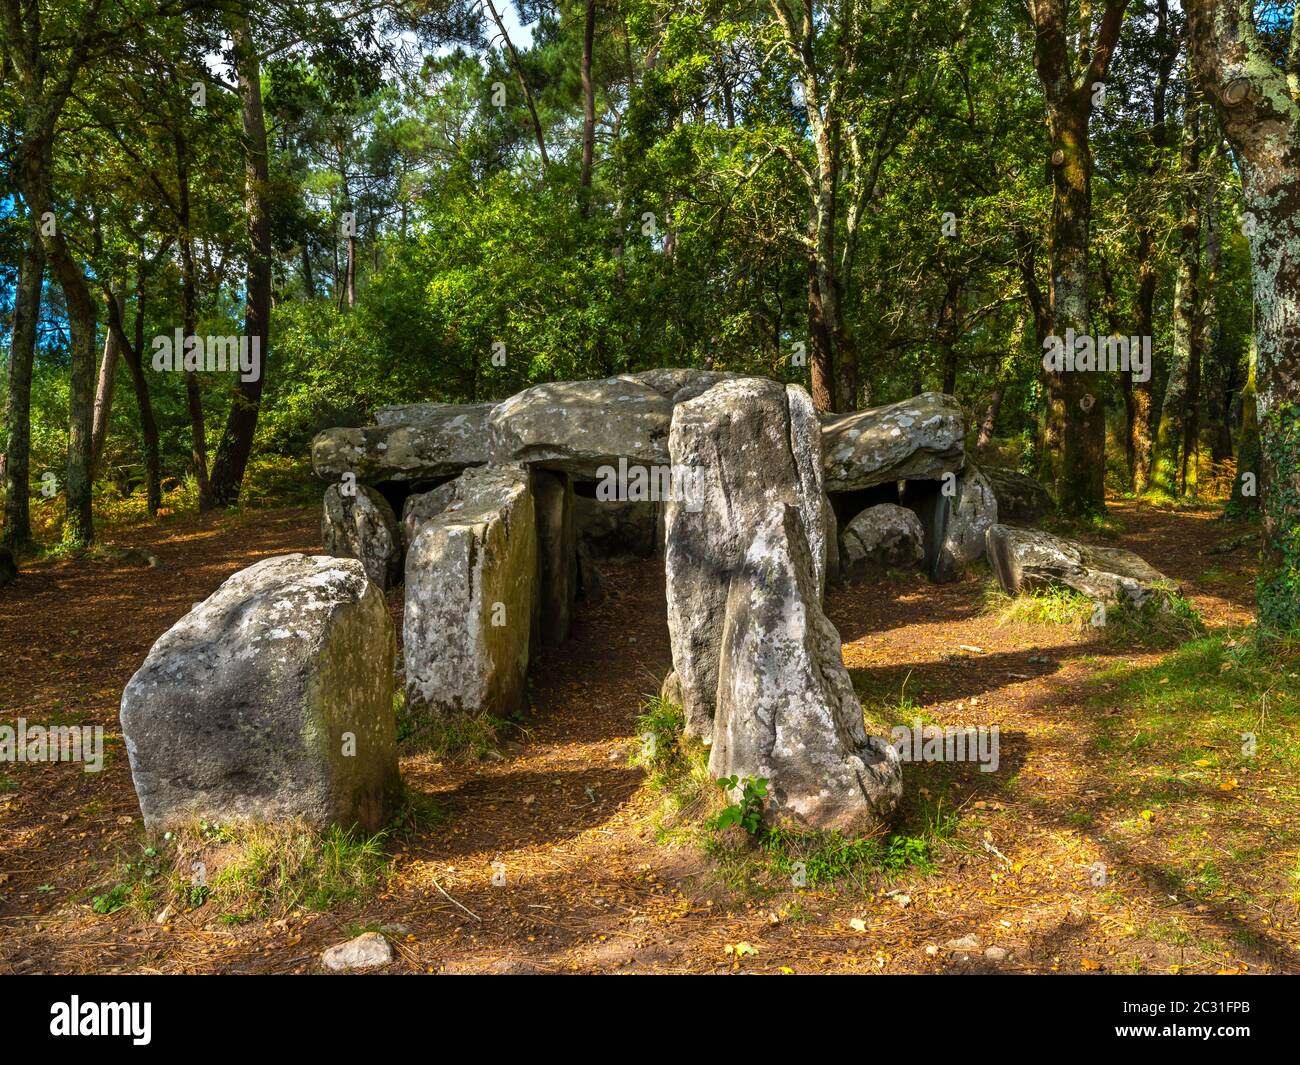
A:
[228,227]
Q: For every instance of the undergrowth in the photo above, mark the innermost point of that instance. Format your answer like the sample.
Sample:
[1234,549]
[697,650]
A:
[749,853]
[1166,619]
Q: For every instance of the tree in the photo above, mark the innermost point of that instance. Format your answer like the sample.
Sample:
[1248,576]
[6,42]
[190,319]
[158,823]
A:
[1254,85]
[1072,56]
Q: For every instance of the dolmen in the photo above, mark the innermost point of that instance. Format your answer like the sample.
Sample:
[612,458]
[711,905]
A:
[273,698]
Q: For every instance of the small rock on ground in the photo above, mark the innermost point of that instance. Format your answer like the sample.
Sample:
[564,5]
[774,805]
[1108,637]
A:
[364,952]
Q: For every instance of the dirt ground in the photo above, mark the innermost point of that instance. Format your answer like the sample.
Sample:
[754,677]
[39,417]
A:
[567,828]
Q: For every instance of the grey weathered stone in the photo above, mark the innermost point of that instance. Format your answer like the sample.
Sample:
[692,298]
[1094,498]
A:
[421,506]
[967,517]
[1031,558]
[470,577]
[679,385]
[444,440]
[272,700]
[671,689]
[581,426]
[1020,498]
[885,536]
[834,562]
[786,708]
[456,419]
[366,951]
[557,555]
[922,437]
[737,438]
[617,528]
[591,584]
[362,525]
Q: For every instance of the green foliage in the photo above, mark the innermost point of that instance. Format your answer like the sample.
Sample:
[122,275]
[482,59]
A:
[1279,582]
[748,811]
[470,736]
[1165,619]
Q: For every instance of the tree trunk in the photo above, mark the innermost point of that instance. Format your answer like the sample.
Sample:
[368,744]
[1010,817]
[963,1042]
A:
[140,384]
[104,393]
[588,104]
[1184,366]
[1206,333]
[27,310]
[189,323]
[518,68]
[1080,395]
[1139,430]
[1259,114]
[1245,494]
[1081,478]
[237,439]
[821,366]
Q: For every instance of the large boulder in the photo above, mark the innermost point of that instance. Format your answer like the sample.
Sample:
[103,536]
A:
[470,576]
[1030,558]
[431,440]
[786,708]
[1020,498]
[359,523]
[967,516]
[578,427]
[922,437]
[557,555]
[737,438]
[679,385]
[271,700]
[882,537]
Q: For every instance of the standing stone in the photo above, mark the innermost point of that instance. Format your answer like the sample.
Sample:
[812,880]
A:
[557,555]
[970,512]
[882,537]
[834,560]
[271,700]
[421,506]
[362,525]
[786,709]
[470,577]
[591,585]
[737,439]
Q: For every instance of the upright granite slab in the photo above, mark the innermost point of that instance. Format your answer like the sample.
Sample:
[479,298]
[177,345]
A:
[359,523]
[271,700]
[740,438]
[470,580]
[786,708]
